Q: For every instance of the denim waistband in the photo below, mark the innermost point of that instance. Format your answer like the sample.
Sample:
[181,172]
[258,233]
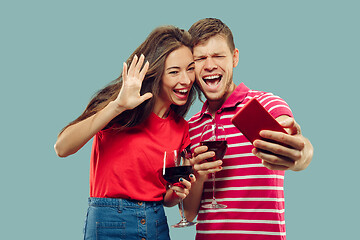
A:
[119,202]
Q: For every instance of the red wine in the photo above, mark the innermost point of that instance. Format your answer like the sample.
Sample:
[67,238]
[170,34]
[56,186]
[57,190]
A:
[219,147]
[173,174]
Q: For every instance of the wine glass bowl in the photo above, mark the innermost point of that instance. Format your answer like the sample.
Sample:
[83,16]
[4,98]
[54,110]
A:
[173,174]
[219,147]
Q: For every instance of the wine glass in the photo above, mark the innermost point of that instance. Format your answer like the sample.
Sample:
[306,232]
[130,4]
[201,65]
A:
[175,168]
[213,136]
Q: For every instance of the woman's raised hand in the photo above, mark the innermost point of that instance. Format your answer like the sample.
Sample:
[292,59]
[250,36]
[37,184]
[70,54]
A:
[129,96]
[76,136]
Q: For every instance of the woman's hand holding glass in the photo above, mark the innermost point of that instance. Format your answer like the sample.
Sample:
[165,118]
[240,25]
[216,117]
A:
[182,188]
[175,171]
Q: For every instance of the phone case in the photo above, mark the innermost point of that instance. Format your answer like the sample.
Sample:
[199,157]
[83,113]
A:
[253,118]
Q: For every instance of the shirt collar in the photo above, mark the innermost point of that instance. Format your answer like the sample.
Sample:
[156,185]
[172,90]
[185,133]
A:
[233,100]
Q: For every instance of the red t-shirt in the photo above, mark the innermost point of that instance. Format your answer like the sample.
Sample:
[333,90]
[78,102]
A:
[128,164]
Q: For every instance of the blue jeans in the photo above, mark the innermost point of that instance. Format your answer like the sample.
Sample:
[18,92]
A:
[112,218]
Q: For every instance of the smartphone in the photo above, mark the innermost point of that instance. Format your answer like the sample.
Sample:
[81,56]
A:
[253,118]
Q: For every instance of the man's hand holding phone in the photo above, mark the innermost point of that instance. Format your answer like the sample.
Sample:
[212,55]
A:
[279,143]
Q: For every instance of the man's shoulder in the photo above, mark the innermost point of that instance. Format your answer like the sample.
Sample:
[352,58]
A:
[258,93]
[262,95]
[195,118]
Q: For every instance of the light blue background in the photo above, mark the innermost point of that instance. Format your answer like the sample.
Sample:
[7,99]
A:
[56,54]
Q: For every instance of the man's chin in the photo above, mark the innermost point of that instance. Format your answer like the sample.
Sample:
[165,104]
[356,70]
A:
[213,97]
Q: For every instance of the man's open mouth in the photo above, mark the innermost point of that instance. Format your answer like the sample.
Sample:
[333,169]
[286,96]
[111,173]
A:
[213,80]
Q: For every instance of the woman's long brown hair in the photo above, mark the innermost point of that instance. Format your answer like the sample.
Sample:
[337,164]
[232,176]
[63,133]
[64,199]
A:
[157,46]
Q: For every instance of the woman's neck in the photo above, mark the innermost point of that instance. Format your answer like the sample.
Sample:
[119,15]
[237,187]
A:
[161,110]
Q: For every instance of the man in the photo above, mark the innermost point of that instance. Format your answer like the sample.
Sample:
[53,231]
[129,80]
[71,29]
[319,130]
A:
[250,178]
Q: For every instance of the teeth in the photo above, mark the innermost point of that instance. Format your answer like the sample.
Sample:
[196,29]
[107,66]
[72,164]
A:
[211,77]
[182,91]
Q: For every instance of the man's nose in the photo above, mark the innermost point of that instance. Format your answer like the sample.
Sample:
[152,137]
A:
[210,64]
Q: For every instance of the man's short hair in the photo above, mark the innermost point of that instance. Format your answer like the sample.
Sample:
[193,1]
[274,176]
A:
[206,28]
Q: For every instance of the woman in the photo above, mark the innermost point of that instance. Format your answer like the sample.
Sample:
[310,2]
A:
[133,121]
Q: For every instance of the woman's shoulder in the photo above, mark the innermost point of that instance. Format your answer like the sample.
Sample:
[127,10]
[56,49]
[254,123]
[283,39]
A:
[178,119]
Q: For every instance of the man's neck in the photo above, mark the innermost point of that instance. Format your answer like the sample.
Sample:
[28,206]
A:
[215,105]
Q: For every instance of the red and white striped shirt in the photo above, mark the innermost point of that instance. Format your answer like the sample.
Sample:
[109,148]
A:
[254,195]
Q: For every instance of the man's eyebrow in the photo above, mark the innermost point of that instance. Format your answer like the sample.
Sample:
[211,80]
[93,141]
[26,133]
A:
[199,56]
[218,53]
[211,54]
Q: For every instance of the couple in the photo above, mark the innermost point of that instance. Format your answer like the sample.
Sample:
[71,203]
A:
[141,114]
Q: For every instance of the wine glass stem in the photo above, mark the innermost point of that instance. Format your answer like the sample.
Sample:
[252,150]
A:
[181,205]
[213,180]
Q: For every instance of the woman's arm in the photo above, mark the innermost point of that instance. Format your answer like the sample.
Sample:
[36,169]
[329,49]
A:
[76,136]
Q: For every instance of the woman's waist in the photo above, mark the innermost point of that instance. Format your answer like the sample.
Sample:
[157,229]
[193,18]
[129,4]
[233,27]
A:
[135,187]
[121,202]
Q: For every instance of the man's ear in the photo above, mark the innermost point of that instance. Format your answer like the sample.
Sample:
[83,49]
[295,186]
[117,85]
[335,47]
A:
[235,57]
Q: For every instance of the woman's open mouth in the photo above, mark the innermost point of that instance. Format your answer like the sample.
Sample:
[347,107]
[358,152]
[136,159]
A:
[181,93]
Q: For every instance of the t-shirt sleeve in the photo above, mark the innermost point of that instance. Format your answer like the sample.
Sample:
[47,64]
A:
[275,105]
[186,137]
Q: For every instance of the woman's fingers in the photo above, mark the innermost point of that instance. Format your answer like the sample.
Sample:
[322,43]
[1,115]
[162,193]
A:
[182,188]
[124,72]
[129,96]
[145,97]
[139,65]
[132,65]
[192,178]
[180,191]
[144,70]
